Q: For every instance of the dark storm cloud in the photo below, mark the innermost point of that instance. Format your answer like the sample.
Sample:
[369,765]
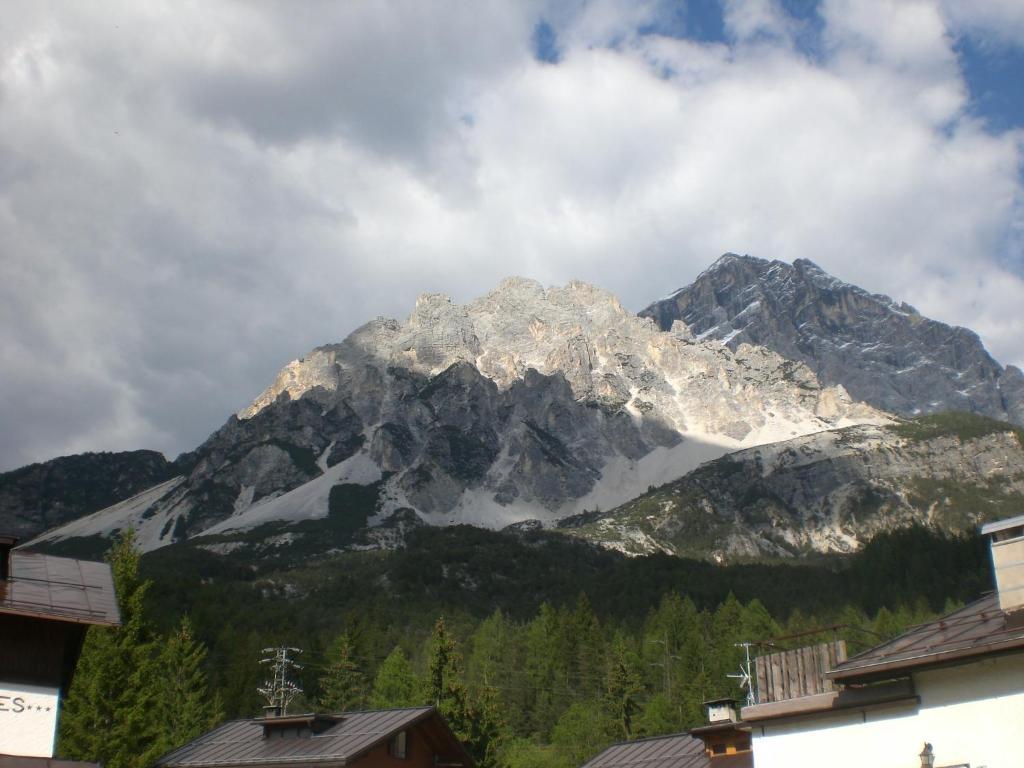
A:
[387,77]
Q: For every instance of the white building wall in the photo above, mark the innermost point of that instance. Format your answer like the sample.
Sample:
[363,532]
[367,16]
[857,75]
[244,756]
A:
[971,714]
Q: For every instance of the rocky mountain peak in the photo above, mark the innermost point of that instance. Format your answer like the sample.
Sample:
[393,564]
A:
[526,403]
[881,350]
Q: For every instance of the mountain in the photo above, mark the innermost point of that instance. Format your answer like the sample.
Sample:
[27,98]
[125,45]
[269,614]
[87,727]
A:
[881,351]
[827,492]
[528,403]
[40,496]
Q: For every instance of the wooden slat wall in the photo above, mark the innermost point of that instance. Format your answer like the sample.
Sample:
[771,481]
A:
[801,672]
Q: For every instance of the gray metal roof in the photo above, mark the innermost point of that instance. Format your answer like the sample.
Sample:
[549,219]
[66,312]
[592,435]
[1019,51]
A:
[59,588]
[679,750]
[241,742]
[16,761]
[978,629]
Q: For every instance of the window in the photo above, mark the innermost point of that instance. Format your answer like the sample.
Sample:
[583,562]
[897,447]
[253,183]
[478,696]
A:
[398,745]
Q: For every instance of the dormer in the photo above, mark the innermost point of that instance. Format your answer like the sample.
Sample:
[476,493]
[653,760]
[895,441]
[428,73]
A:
[296,726]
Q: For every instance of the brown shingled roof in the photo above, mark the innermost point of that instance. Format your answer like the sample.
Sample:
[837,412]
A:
[241,742]
[59,588]
[977,629]
[680,750]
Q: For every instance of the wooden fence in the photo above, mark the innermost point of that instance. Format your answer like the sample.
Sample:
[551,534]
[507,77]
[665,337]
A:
[801,672]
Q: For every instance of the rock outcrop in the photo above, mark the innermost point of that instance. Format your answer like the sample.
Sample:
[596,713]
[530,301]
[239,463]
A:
[827,492]
[40,496]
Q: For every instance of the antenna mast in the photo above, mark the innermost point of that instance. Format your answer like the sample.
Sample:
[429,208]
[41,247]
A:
[745,675]
[279,690]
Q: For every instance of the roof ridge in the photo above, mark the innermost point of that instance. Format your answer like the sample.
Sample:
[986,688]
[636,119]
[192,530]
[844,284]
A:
[653,738]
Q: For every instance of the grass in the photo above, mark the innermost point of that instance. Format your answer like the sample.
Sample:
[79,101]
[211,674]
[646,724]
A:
[965,426]
[959,505]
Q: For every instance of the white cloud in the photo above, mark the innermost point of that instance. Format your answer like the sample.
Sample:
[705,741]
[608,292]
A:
[189,197]
[754,20]
[997,21]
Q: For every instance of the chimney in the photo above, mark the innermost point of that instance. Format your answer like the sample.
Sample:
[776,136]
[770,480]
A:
[7,543]
[1007,545]
[722,711]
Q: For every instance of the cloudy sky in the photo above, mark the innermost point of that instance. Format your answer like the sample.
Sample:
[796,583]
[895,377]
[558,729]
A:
[194,193]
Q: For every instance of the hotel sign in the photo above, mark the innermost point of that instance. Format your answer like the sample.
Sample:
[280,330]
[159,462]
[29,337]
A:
[28,720]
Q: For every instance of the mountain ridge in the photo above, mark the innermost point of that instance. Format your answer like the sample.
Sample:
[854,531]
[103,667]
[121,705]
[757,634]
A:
[525,403]
[883,352]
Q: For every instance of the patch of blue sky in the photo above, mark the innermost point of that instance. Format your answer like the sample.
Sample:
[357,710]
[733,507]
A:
[545,43]
[993,71]
[995,80]
[810,27]
[704,21]
[700,20]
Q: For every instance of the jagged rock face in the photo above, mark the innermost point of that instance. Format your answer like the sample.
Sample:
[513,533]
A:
[830,491]
[526,403]
[883,352]
[41,496]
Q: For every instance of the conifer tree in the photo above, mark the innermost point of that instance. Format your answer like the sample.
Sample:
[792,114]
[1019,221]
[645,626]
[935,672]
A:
[343,685]
[395,684]
[475,723]
[108,715]
[185,708]
[658,716]
[443,686]
[582,731]
[623,686]
[544,672]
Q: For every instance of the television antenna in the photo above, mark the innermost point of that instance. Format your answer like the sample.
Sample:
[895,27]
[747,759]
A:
[745,675]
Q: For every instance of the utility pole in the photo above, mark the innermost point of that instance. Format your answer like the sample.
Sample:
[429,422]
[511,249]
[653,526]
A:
[279,690]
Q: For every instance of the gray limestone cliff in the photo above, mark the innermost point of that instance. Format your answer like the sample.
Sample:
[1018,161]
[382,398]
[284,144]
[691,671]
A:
[529,402]
[827,492]
[883,352]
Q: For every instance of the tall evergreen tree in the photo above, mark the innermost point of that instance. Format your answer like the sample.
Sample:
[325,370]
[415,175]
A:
[545,673]
[108,715]
[343,685]
[623,685]
[476,723]
[585,645]
[582,731]
[443,686]
[395,684]
[185,708]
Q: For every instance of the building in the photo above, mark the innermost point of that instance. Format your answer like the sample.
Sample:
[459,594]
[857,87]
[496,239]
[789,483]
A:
[723,743]
[416,737]
[680,750]
[46,605]
[726,739]
[947,693]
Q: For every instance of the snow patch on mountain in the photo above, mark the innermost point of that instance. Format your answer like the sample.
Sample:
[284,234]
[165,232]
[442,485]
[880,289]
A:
[307,502]
[153,527]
